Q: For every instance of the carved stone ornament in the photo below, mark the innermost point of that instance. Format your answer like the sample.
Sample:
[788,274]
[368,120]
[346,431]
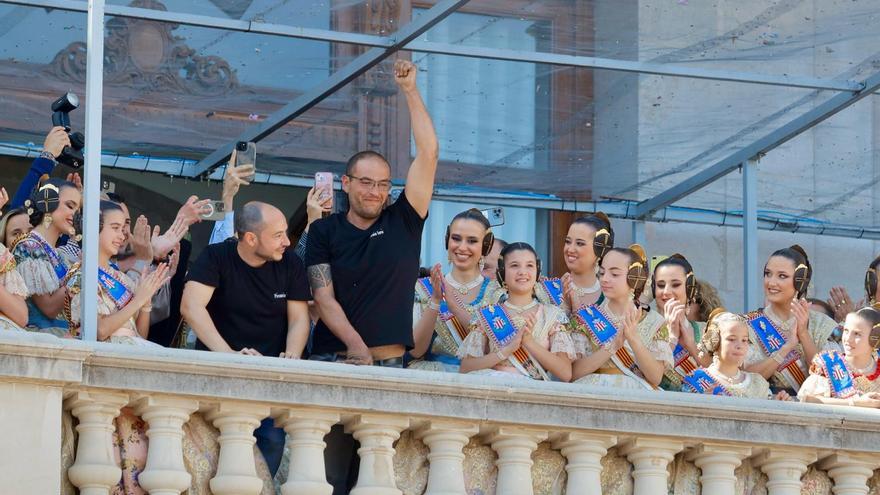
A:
[145,54]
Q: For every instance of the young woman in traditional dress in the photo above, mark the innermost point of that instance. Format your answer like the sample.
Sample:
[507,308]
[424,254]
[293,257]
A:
[13,291]
[854,377]
[521,336]
[123,318]
[727,342]
[620,344]
[446,305]
[587,241]
[14,224]
[786,335]
[674,287]
[43,267]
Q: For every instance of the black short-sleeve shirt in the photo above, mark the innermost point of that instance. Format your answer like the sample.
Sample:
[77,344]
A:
[249,305]
[374,272]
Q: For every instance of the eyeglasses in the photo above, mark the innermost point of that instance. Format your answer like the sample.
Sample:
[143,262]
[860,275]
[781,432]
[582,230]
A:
[382,185]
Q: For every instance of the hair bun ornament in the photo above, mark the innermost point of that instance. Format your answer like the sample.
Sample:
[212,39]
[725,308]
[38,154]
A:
[691,287]
[640,252]
[712,338]
[603,241]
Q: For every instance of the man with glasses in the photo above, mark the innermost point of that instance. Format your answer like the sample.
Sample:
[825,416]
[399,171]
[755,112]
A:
[363,264]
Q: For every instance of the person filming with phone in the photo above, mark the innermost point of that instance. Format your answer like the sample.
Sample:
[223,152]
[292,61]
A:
[363,263]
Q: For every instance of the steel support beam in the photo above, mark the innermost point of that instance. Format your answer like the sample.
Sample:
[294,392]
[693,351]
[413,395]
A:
[92,168]
[758,148]
[751,287]
[453,49]
[335,82]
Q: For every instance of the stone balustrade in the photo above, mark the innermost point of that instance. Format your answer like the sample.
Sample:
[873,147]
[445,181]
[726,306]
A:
[587,429]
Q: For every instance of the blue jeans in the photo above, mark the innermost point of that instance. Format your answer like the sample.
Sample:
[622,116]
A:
[270,441]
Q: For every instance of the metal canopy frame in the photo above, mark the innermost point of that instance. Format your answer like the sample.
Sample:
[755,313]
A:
[658,208]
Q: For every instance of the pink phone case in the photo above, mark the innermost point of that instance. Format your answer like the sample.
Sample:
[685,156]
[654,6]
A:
[324,185]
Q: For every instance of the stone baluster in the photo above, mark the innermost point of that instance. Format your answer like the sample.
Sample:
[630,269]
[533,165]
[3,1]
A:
[376,434]
[850,471]
[237,468]
[718,463]
[784,469]
[584,452]
[307,429]
[95,469]
[650,458]
[165,472]
[514,447]
[446,441]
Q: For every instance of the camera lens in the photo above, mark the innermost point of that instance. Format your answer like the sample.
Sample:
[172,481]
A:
[241,146]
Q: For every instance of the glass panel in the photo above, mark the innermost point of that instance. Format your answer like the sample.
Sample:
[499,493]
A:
[32,62]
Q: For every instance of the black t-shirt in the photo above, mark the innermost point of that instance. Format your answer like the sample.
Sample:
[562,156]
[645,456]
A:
[249,305]
[374,272]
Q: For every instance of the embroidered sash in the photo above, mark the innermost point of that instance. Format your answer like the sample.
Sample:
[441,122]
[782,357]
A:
[601,331]
[597,324]
[838,374]
[551,289]
[455,330]
[58,265]
[701,382]
[792,369]
[117,291]
[501,330]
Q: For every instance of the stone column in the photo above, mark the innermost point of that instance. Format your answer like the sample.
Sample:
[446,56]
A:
[850,471]
[165,473]
[237,468]
[376,435]
[446,441]
[514,447]
[650,458]
[718,463]
[95,470]
[307,429]
[784,469]
[584,452]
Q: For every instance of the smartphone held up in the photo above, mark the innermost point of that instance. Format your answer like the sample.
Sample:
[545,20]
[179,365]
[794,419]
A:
[245,158]
[324,186]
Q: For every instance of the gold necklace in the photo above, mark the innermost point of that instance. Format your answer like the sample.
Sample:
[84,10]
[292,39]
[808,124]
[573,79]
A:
[463,289]
[521,309]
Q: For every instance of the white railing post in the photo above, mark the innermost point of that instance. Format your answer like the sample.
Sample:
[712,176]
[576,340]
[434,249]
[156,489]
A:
[237,467]
[95,469]
[446,441]
[514,447]
[376,435]
[784,469]
[165,472]
[584,452]
[650,458]
[307,429]
[717,463]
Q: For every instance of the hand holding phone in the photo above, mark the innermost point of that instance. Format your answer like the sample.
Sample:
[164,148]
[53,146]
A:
[324,187]
[246,155]
[214,210]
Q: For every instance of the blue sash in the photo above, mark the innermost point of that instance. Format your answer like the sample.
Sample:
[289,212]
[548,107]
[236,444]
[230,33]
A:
[552,288]
[58,265]
[769,336]
[498,321]
[500,330]
[701,382]
[599,326]
[838,374]
[425,282]
[120,294]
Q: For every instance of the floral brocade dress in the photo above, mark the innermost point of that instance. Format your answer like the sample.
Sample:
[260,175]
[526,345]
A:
[43,269]
[201,449]
[550,331]
[616,372]
[448,331]
[11,280]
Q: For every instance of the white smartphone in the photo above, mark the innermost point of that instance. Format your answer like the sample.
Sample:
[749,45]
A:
[246,154]
[215,210]
[494,215]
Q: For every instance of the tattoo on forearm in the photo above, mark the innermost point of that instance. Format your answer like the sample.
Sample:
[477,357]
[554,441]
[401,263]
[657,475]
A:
[319,276]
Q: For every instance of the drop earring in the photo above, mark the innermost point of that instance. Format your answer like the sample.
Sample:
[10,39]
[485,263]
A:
[47,220]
